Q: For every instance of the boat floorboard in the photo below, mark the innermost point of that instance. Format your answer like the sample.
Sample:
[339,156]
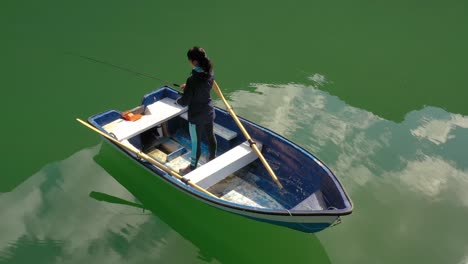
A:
[236,190]
[232,189]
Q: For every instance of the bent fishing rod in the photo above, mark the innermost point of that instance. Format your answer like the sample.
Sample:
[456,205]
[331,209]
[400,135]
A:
[124,69]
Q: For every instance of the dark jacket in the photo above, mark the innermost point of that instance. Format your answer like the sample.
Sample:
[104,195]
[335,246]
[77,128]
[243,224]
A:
[197,96]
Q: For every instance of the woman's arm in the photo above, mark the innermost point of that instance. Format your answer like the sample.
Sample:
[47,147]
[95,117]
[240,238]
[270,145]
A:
[186,97]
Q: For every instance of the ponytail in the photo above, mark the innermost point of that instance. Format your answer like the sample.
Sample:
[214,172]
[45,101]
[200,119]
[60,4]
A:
[199,54]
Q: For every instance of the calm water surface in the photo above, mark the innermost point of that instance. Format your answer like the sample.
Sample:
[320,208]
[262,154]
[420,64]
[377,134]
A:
[377,90]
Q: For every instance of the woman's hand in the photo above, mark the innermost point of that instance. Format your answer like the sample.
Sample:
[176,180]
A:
[182,86]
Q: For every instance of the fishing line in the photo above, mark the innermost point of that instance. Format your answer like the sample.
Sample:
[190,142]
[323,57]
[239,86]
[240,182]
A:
[124,69]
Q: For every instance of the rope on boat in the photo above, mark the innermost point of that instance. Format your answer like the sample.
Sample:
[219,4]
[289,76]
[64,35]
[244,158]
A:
[336,222]
[185,180]
[251,142]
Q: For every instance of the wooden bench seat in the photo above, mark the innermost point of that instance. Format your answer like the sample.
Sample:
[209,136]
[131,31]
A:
[218,169]
[155,114]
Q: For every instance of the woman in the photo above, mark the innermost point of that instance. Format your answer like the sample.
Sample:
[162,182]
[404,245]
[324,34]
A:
[200,106]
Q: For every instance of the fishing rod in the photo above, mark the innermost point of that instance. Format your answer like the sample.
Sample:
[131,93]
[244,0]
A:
[124,69]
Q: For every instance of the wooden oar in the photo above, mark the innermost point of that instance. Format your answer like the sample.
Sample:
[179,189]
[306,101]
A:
[246,135]
[145,157]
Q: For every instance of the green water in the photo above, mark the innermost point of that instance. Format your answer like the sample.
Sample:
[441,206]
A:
[375,89]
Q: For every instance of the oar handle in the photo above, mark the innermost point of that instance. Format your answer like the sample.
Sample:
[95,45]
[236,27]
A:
[145,157]
[246,135]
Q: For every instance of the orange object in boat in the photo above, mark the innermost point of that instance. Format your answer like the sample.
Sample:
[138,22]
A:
[129,116]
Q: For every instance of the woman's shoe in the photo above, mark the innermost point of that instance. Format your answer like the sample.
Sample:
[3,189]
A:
[186,170]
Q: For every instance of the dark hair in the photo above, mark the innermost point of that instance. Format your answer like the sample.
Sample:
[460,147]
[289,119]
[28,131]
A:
[199,54]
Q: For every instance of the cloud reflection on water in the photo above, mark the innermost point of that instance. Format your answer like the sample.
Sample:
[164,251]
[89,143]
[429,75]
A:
[437,130]
[409,169]
[52,216]
[323,122]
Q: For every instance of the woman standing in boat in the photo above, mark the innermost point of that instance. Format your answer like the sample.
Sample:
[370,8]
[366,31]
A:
[201,112]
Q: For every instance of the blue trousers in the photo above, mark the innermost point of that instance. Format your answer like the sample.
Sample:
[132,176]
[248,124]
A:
[195,137]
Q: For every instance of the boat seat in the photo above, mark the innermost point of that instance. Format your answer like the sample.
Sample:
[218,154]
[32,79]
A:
[218,169]
[155,114]
[219,130]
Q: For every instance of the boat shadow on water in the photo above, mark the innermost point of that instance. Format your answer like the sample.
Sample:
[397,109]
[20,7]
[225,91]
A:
[219,235]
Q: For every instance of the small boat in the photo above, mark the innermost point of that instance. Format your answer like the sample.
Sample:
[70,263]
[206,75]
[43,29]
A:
[306,195]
